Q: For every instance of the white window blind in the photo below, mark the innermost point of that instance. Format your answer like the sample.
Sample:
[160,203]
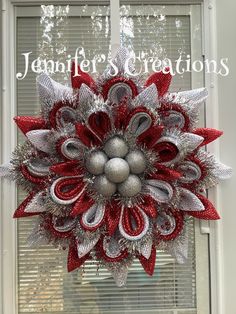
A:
[43,282]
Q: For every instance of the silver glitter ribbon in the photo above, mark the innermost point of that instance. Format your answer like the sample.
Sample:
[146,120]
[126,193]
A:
[37,203]
[189,201]
[71,148]
[147,98]
[39,138]
[139,123]
[94,215]
[161,191]
[86,244]
[51,92]
[38,167]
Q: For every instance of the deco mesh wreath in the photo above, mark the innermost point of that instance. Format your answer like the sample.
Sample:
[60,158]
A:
[115,167]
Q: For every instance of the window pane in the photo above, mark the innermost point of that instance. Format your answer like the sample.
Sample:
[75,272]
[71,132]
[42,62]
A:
[43,282]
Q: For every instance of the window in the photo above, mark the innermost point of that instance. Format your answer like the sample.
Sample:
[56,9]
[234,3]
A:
[43,284]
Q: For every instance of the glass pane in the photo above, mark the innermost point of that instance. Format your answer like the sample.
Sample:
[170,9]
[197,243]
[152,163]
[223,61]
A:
[43,282]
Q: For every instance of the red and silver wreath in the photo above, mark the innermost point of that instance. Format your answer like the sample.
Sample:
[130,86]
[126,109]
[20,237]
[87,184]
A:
[114,167]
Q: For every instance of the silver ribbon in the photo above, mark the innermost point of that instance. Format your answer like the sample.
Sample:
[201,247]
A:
[71,148]
[39,138]
[85,245]
[139,236]
[189,201]
[139,123]
[68,224]
[38,167]
[161,191]
[37,204]
[190,170]
[147,98]
[93,216]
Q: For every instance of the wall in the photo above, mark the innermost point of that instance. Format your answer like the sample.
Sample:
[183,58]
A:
[226,47]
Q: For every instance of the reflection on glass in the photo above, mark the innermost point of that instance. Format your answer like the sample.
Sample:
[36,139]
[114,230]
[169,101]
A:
[152,33]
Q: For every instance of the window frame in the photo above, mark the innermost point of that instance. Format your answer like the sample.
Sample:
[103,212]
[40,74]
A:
[8,243]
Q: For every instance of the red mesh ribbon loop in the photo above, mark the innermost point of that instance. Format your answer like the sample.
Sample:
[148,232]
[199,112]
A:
[115,80]
[166,151]
[73,260]
[68,188]
[100,123]
[83,203]
[132,221]
[82,77]
[113,211]
[86,136]
[151,136]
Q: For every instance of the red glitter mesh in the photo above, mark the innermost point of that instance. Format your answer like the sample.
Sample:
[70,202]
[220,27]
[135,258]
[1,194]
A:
[208,134]
[151,136]
[161,80]
[26,124]
[20,211]
[115,80]
[73,261]
[69,168]
[100,123]
[83,203]
[164,173]
[131,215]
[149,206]
[77,81]
[31,178]
[148,264]
[48,225]
[209,213]
[166,151]
[113,211]
[179,220]
[68,188]
[87,137]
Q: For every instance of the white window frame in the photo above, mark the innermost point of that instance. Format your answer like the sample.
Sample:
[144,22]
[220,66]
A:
[8,243]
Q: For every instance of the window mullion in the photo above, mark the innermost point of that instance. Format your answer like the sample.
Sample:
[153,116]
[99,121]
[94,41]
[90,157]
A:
[115,25]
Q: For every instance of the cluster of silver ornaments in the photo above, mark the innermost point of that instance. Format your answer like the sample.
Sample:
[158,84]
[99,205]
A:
[116,168]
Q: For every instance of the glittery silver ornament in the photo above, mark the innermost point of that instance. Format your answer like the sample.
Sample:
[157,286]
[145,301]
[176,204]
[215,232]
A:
[131,186]
[116,147]
[117,170]
[95,162]
[103,186]
[137,161]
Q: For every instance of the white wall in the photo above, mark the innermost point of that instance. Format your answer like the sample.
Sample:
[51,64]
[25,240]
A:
[226,47]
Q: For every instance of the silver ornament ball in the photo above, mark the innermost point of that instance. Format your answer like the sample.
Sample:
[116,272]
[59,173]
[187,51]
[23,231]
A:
[117,170]
[130,187]
[137,161]
[116,147]
[103,186]
[95,162]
